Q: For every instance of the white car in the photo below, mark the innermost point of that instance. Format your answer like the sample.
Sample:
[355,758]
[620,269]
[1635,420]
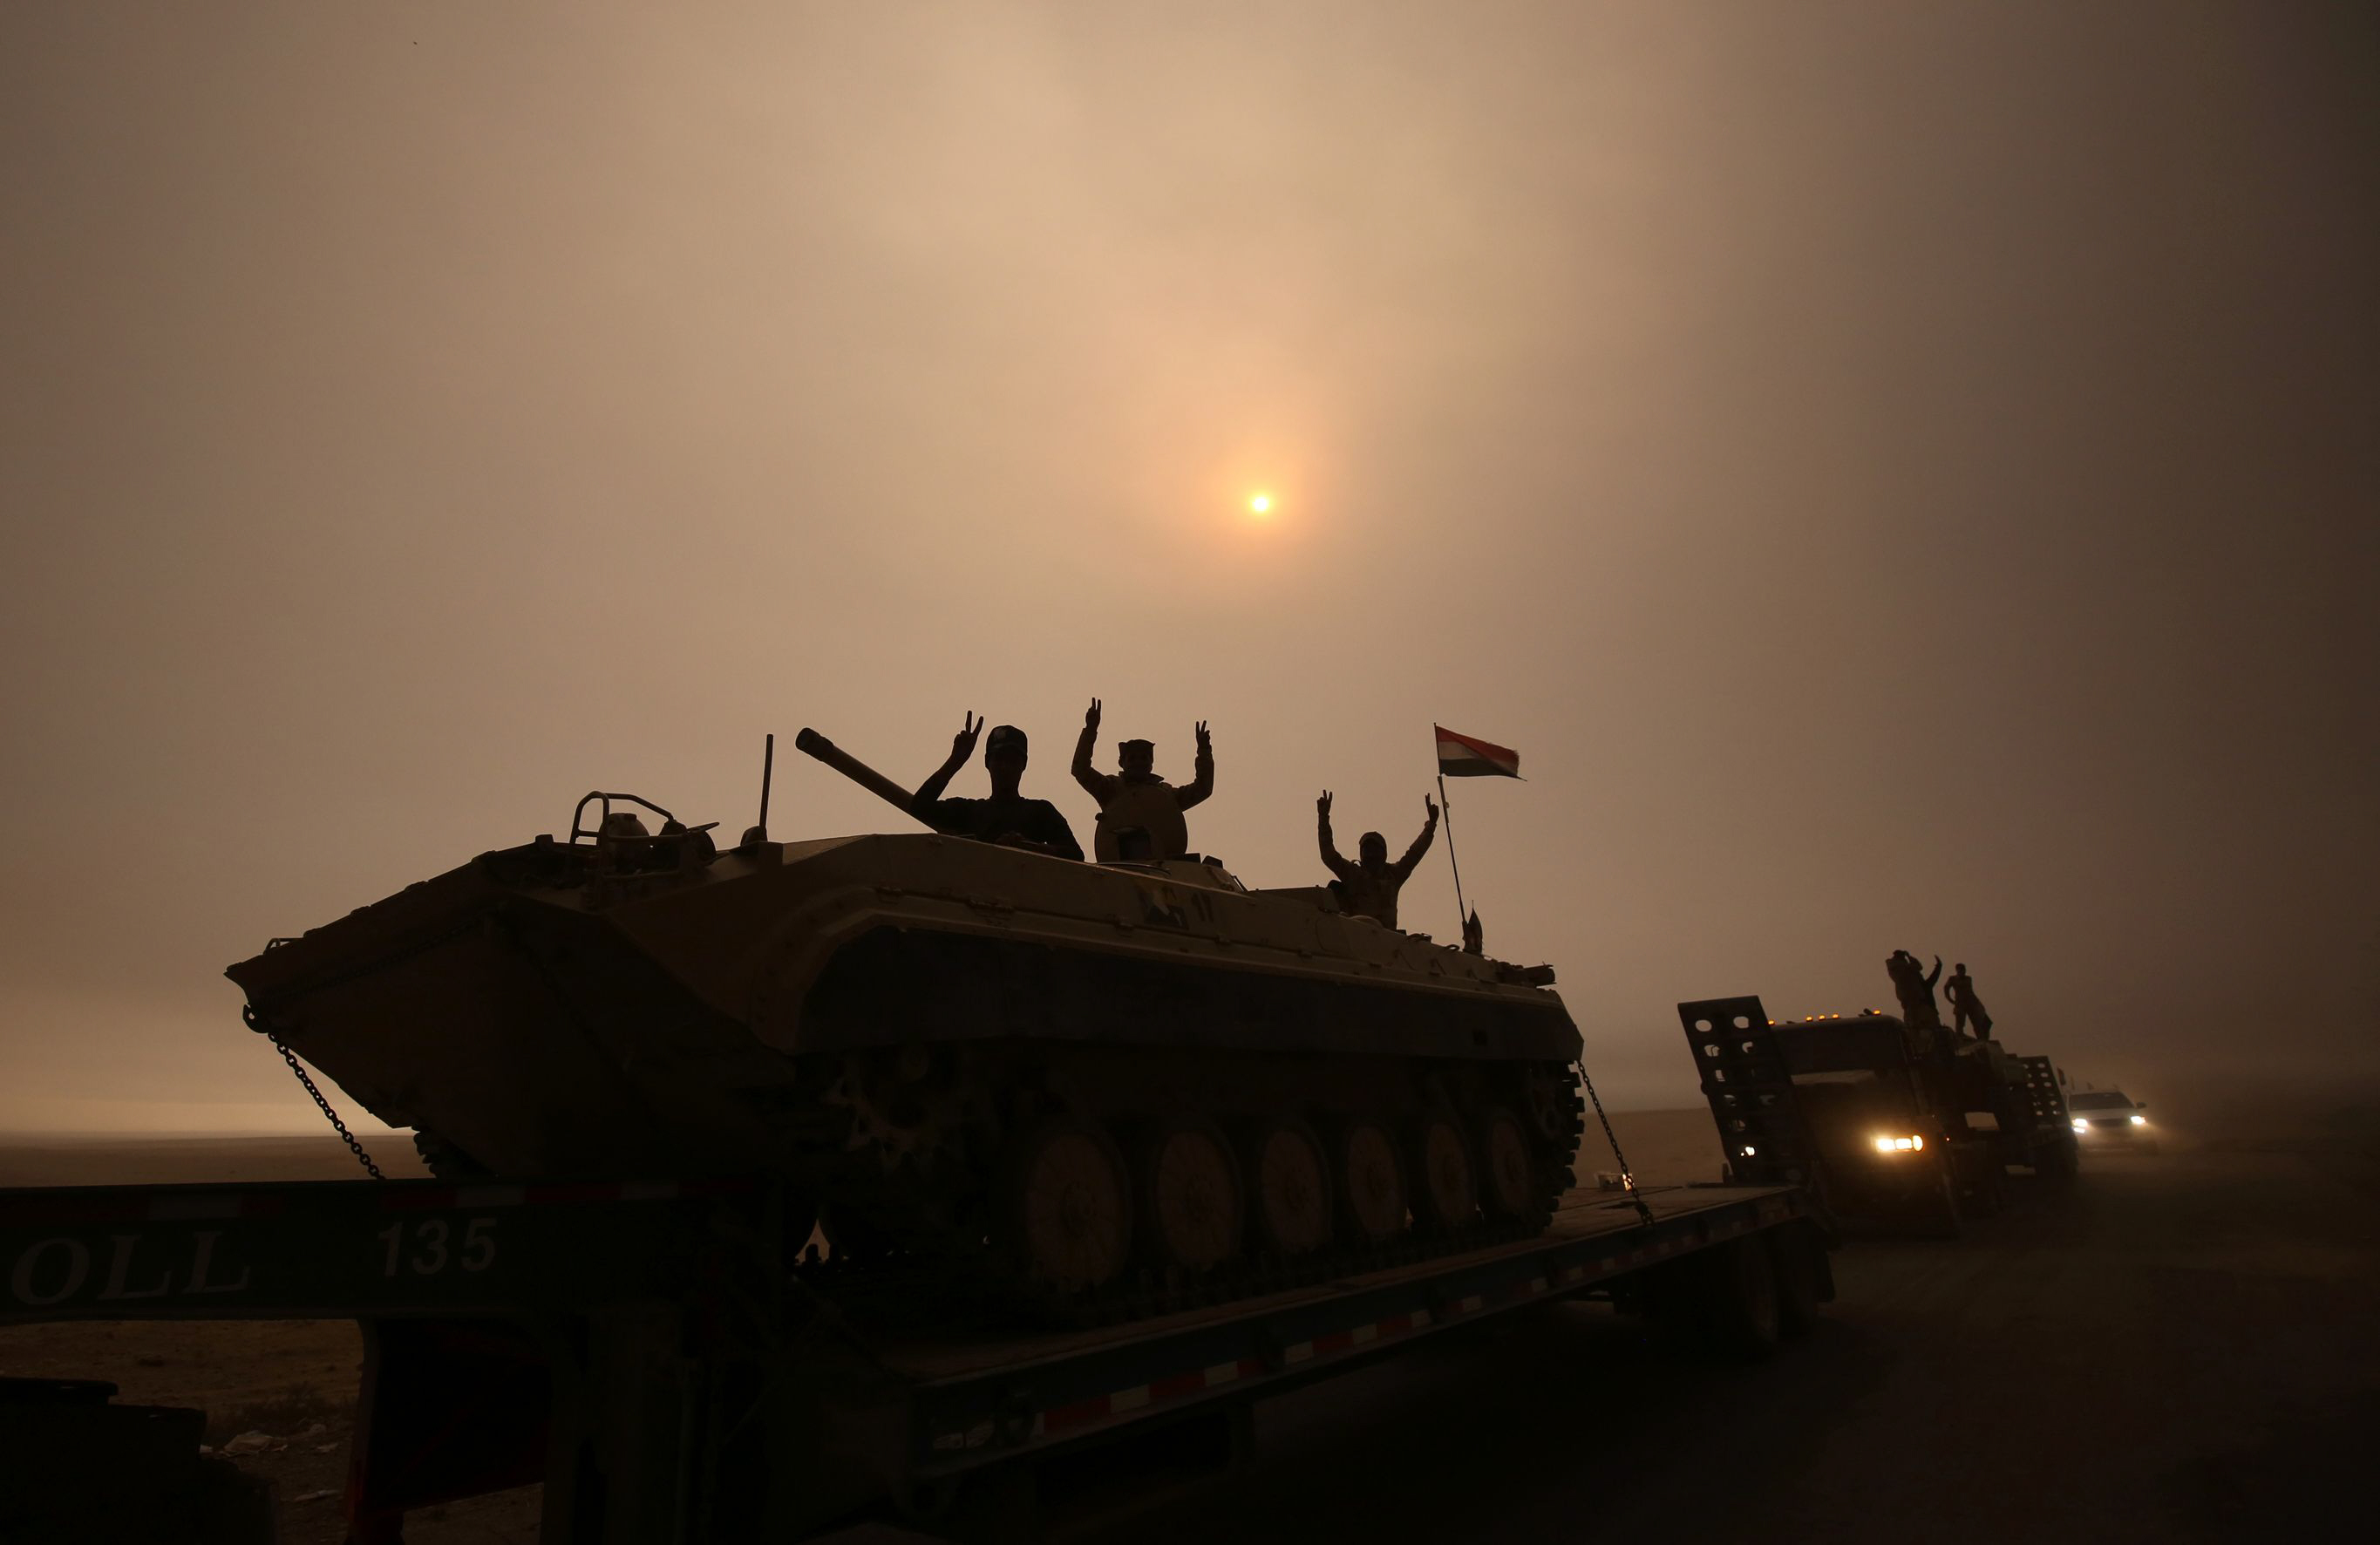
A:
[2108,1119]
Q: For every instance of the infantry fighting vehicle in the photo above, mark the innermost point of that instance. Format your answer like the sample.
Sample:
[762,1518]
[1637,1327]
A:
[1064,1077]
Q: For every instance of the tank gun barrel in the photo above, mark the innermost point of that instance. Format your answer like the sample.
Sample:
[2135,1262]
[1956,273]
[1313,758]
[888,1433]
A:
[851,767]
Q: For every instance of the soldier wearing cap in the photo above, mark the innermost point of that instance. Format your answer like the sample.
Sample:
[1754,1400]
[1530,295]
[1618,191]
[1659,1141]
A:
[1007,818]
[1140,813]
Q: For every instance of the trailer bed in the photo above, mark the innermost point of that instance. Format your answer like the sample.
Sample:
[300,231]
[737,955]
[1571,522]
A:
[1582,1216]
[992,1396]
[653,1316]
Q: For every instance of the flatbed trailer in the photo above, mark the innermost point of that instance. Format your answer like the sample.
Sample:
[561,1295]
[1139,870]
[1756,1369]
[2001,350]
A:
[649,1354]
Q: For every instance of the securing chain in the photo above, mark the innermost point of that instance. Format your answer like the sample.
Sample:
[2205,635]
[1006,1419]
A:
[1627,1175]
[256,1022]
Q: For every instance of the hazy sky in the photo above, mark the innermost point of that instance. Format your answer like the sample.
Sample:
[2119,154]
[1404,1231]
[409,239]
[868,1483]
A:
[1902,476]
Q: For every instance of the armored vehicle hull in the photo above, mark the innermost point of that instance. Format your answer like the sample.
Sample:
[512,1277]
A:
[1068,1076]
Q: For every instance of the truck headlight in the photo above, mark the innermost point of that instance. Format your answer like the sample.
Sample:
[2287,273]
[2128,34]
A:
[1898,1144]
[2140,1121]
[2082,1125]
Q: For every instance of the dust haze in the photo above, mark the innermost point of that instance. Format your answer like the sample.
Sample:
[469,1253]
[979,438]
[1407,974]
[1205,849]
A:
[1901,477]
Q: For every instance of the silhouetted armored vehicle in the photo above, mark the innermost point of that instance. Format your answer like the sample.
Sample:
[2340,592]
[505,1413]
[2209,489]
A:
[1077,1079]
[1913,1127]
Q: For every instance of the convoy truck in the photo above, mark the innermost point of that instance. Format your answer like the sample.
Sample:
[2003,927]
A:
[649,1352]
[1911,1130]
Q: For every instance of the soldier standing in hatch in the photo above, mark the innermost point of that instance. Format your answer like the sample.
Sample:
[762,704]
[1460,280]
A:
[1140,813]
[1007,818]
[1916,990]
[1368,888]
[1965,1005]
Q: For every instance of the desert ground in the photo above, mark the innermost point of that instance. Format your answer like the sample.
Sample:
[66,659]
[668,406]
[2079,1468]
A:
[2185,1346]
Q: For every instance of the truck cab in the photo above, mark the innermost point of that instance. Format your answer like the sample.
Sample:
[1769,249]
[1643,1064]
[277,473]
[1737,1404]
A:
[1875,1127]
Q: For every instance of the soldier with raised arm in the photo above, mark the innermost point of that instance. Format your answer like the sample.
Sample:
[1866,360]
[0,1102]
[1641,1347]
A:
[1007,818]
[1916,990]
[1140,813]
[1368,888]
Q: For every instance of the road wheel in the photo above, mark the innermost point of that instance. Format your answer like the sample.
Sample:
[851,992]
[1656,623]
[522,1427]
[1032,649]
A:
[1289,1188]
[1064,1210]
[1446,1198]
[1371,1183]
[1192,1210]
[1509,1177]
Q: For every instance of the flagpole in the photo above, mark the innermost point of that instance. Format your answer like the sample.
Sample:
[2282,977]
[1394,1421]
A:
[1462,913]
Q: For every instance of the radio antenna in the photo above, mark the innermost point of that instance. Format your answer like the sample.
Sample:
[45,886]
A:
[768,767]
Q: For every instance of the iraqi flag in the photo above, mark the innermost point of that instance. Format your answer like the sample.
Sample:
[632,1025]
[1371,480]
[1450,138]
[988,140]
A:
[1459,756]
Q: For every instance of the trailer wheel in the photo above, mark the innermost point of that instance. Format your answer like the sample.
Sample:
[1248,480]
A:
[1066,1206]
[1191,1201]
[1987,1196]
[1289,1188]
[1798,1258]
[1448,1197]
[1509,1178]
[1741,1301]
[1934,1209]
[1371,1181]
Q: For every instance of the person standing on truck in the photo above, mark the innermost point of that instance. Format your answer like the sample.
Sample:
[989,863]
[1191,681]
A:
[1140,813]
[1915,988]
[1965,1005]
[1368,887]
[1007,818]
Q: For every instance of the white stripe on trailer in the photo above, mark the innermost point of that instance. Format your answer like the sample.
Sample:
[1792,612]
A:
[1132,1399]
[1223,1373]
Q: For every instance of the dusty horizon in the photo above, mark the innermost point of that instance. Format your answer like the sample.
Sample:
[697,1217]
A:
[1900,479]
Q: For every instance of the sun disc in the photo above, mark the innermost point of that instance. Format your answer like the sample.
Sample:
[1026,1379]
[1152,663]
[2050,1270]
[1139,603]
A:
[1259,503]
